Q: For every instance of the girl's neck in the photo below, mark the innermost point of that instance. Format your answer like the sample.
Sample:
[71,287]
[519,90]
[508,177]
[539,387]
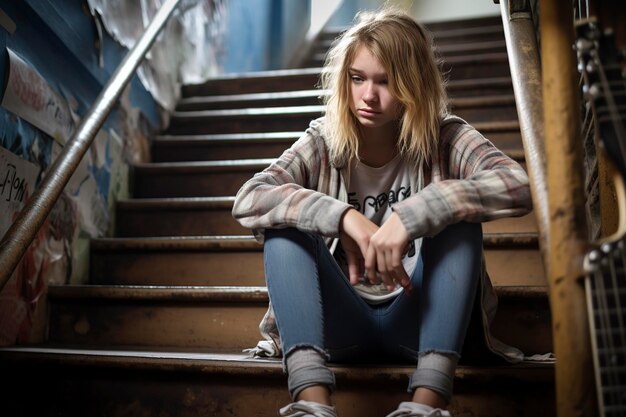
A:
[378,146]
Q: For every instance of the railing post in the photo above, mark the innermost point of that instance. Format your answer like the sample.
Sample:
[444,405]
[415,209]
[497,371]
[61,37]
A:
[575,393]
[26,226]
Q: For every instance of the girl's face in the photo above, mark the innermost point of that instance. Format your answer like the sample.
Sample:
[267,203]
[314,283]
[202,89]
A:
[372,103]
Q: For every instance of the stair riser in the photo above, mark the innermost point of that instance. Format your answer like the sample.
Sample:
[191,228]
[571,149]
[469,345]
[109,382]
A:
[185,324]
[215,152]
[167,183]
[232,326]
[273,102]
[524,323]
[475,114]
[498,67]
[207,151]
[464,71]
[446,52]
[144,223]
[299,101]
[461,38]
[446,38]
[194,222]
[241,124]
[506,267]
[176,268]
[94,392]
[265,84]
[220,87]
[189,185]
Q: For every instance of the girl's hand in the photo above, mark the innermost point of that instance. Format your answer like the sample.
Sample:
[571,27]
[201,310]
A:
[356,231]
[385,251]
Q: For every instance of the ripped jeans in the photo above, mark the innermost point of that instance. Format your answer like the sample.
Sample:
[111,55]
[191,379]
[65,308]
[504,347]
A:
[317,308]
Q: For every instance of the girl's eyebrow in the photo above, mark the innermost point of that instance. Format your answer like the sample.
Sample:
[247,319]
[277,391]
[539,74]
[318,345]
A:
[356,70]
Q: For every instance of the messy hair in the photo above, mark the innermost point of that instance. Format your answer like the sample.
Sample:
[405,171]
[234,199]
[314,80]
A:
[405,50]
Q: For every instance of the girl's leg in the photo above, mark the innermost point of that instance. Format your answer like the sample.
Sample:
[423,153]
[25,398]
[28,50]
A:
[452,262]
[318,314]
[444,287]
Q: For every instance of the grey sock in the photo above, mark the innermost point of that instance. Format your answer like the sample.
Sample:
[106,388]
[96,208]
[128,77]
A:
[307,367]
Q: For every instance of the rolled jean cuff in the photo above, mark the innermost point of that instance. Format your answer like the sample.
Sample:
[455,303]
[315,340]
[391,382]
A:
[307,368]
[433,379]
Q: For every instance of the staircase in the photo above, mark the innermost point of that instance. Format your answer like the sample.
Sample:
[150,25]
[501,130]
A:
[175,297]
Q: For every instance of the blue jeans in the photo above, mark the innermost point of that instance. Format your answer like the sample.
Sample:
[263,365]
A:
[316,307]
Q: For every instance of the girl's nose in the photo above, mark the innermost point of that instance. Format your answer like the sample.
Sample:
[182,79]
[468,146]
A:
[370,93]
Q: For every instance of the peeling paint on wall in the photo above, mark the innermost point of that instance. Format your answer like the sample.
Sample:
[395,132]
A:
[187,51]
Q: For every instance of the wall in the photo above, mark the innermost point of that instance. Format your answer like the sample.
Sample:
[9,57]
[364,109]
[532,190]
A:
[264,34]
[55,58]
[422,10]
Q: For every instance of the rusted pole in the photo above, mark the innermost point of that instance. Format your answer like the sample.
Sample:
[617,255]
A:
[575,394]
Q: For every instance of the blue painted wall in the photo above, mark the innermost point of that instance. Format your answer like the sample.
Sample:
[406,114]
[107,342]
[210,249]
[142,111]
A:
[262,34]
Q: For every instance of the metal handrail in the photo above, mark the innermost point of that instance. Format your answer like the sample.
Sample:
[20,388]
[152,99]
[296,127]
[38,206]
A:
[28,222]
[523,54]
[547,104]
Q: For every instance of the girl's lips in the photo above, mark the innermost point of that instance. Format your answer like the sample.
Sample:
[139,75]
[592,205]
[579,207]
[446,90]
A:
[368,112]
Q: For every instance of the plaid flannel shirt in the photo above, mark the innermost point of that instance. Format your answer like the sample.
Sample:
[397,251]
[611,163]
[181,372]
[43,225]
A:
[469,179]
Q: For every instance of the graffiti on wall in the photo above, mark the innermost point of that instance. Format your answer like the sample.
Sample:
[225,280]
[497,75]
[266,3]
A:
[37,121]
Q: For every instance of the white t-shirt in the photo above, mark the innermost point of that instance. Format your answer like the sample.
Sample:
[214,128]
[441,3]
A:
[372,191]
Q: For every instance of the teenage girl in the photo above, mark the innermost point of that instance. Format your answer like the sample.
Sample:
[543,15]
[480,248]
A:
[371,221]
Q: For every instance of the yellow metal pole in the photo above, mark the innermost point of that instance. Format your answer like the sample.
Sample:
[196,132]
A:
[575,393]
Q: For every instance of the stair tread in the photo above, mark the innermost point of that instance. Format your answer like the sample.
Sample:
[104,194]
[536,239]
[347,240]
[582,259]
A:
[455,102]
[247,242]
[250,96]
[201,166]
[223,293]
[174,140]
[174,203]
[247,112]
[235,363]
[443,49]
[438,33]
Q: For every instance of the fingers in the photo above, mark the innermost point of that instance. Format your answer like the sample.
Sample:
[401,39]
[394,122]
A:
[386,249]
[355,267]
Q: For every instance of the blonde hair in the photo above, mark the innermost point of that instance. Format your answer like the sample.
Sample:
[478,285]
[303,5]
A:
[404,48]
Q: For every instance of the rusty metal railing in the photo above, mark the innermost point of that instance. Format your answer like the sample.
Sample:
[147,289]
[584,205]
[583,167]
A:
[547,100]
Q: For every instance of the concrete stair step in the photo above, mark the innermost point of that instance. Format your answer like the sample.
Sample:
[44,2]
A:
[444,25]
[458,33]
[249,120]
[120,383]
[483,108]
[194,178]
[308,78]
[251,100]
[512,260]
[205,216]
[212,147]
[227,317]
[216,147]
[459,68]
[445,50]
[255,82]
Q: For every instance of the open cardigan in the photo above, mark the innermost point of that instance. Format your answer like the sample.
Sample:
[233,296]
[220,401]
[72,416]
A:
[469,179]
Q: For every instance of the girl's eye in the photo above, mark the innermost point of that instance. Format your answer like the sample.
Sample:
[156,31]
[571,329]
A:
[356,78]
[384,82]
